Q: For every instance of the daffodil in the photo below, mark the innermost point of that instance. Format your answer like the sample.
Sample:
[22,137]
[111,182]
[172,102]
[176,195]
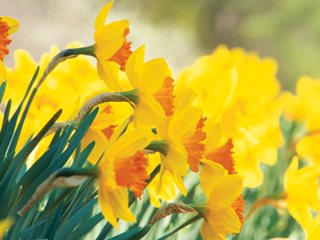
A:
[301,187]
[111,46]
[302,106]
[183,135]
[223,210]
[8,26]
[122,167]
[237,91]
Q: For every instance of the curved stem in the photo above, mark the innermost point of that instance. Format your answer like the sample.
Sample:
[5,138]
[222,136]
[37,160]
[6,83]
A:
[190,221]
[62,56]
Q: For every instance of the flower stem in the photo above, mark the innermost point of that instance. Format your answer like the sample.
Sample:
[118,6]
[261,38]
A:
[190,221]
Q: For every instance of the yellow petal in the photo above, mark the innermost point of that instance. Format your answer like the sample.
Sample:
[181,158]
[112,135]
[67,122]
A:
[225,221]
[109,72]
[184,122]
[129,144]
[149,111]
[209,233]
[152,75]
[109,39]
[100,146]
[12,23]
[119,202]
[176,159]
[179,182]
[227,190]
[105,205]
[134,64]
[209,175]
[102,15]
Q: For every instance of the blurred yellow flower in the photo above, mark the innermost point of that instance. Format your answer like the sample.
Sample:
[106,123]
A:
[65,87]
[122,167]
[303,107]
[237,91]
[302,193]
[223,210]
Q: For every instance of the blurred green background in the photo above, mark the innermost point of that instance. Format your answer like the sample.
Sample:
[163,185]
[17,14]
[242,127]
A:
[181,30]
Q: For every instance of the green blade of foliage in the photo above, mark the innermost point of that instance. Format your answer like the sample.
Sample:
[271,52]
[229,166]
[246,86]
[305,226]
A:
[133,234]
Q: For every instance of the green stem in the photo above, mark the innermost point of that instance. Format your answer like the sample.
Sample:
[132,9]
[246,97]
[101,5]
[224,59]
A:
[190,221]
[64,55]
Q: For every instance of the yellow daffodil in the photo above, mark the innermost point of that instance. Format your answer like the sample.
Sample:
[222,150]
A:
[223,210]
[302,188]
[8,26]
[111,47]
[184,135]
[303,106]
[109,117]
[149,83]
[122,168]
[237,91]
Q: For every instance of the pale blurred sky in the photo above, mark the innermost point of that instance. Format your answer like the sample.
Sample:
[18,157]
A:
[45,23]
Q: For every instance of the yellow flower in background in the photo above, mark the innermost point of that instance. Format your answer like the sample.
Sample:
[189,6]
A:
[303,106]
[65,87]
[302,193]
[8,26]
[307,148]
[237,91]
[111,47]
[122,167]
[222,213]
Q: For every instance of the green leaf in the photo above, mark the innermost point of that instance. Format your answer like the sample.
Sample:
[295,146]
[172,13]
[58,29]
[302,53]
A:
[133,234]
[70,225]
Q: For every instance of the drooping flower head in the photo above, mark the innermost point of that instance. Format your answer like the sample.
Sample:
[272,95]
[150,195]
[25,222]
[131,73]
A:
[223,210]
[302,187]
[122,167]
[183,134]
[111,46]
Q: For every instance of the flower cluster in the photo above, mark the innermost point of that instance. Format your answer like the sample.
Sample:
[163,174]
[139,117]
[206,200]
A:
[218,118]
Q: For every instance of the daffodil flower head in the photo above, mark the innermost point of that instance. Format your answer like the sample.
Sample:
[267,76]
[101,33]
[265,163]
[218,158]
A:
[301,187]
[8,26]
[122,167]
[148,78]
[111,46]
[224,208]
[184,135]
